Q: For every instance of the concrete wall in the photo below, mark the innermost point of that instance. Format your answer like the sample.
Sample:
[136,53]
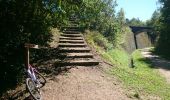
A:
[129,44]
[142,40]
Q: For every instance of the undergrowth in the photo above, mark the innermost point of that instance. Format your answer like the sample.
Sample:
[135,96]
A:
[143,78]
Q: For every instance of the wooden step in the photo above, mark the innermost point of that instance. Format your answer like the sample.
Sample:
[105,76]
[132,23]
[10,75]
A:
[71,45]
[71,41]
[74,50]
[71,27]
[73,19]
[71,32]
[71,38]
[71,35]
[74,22]
[77,30]
[77,55]
[77,62]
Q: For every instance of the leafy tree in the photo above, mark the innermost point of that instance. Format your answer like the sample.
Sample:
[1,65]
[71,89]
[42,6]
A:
[155,20]
[163,45]
[23,21]
[155,23]
[121,17]
[135,22]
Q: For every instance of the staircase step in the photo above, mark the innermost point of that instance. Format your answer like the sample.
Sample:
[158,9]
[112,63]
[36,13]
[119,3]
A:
[73,19]
[77,30]
[71,38]
[74,50]
[71,41]
[71,32]
[71,45]
[72,35]
[77,55]
[74,22]
[71,27]
[81,62]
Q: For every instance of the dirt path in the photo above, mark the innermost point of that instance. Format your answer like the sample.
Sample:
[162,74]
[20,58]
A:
[161,64]
[83,83]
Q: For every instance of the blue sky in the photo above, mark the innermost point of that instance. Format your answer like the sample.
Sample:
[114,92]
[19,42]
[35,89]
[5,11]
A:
[142,9]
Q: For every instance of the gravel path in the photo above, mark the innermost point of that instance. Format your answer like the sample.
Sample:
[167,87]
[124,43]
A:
[161,64]
[83,83]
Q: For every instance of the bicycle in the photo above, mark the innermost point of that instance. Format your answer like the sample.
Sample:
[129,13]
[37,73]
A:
[34,80]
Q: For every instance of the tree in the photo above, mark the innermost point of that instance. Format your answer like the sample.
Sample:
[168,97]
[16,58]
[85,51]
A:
[121,17]
[135,22]
[25,21]
[155,19]
[163,45]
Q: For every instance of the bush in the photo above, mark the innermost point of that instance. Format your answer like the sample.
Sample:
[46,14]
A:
[99,40]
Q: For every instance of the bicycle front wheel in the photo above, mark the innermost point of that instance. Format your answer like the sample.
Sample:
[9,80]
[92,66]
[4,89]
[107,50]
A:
[40,78]
[32,88]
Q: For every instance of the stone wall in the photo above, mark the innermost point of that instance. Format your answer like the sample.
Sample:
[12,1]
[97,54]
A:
[142,41]
[129,44]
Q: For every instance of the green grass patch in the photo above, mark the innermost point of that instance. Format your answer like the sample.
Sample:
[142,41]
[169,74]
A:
[143,78]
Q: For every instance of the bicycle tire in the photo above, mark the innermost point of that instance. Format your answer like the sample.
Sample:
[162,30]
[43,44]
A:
[40,78]
[32,89]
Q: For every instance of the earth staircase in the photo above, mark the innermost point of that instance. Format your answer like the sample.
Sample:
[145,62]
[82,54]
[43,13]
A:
[73,49]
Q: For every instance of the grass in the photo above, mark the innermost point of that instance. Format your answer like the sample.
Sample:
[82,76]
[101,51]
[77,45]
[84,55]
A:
[143,78]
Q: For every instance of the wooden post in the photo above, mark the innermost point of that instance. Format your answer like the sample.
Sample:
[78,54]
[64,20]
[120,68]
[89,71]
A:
[27,46]
[27,57]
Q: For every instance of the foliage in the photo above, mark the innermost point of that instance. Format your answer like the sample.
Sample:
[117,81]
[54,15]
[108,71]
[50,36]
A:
[163,44]
[98,40]
[135,22]
[103,19]
[155,19]
[119,56]
[25,21]
[155,24]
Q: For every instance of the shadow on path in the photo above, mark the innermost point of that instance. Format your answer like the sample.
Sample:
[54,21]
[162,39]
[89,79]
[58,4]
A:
[158,63]
[45,63]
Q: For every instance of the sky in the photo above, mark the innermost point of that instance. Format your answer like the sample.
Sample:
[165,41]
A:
[142,9]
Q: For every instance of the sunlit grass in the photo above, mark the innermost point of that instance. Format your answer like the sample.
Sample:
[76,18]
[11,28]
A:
[143,78]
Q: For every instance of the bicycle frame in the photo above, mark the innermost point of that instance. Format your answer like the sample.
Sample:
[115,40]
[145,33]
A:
[33,79]
[31,73]
[30,69]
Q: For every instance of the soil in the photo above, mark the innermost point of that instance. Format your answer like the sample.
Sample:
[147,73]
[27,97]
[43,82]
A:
[162,65]
[85,83]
